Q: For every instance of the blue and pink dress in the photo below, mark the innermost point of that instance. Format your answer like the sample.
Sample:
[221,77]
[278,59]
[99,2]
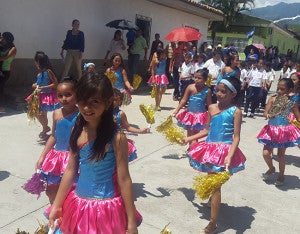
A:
[279,132]
[120,85]
[195,116]
[57,158]
[48,97]
[131,148]
[160,78]
[209,155]
[96,205]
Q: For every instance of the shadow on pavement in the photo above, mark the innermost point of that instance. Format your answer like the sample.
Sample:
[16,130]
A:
[4,175]
[140,191]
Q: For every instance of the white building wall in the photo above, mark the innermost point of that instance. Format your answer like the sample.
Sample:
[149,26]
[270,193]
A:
[42,24]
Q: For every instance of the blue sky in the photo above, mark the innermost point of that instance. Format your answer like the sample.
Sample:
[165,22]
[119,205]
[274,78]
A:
[263,3]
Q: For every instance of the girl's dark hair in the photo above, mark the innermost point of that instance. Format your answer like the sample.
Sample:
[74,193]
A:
[237,85]
[116,32]
[288,82]
[204,72]
[43,60]
[9,38]
[119,94]
[89,86]
[69,80]
[298,75]
[74,21]
[230,59]
[113,57]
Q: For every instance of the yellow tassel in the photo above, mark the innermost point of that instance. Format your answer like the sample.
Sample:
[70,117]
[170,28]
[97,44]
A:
[136,81]
[206,185]
[148,112]
[34,106]
[111,76]
[166,230]
[296,123]
[173,133]
[153,91]
[208,81]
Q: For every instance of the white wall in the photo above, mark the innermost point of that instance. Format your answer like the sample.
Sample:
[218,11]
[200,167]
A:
[42,24]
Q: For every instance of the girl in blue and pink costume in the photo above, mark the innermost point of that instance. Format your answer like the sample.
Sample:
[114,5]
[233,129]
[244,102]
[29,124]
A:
[54,158]
[158,76]
[279,133]
[220,150]
[46,84]
[295,94]
[121,120]
[102,200]
[198,97]
[122,83]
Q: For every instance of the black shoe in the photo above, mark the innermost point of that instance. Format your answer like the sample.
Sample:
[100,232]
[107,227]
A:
[245,114]
[251,115]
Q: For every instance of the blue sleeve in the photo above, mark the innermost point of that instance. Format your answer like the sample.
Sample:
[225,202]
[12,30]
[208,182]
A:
[66,44]
[81,42]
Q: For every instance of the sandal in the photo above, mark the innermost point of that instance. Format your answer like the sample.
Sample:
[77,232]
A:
[209,229]
[279,181]
[268,174]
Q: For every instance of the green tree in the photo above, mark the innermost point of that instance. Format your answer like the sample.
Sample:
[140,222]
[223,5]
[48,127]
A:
[231,8]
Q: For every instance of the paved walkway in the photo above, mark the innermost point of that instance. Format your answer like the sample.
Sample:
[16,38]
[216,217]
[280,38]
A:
[162,181]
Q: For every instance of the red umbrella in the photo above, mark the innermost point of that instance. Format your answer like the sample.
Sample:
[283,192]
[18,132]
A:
[183,34]
[259,46]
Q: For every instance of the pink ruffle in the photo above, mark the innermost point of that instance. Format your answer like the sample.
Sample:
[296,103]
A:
[131,147]
[215,154]
[288,135]
[55,162]
[190,120]
[94,216]
[48,98]
[159,80]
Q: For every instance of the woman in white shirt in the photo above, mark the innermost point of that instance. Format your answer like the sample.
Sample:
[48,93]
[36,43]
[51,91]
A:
[117,45]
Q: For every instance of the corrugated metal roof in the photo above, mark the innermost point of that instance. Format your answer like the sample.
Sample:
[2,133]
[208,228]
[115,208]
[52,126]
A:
[203,6]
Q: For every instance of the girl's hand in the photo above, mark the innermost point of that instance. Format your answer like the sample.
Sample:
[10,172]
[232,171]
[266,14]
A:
[144,130]
[131,89]
[39,163]
[227,162]
[184,141]
[56,213]
[174,114]
[132,229]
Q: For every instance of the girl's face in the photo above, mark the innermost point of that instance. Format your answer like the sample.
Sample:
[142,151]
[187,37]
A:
[75,25]
[295,80]
[224,94]
[37,64]
[117,101]
[91,69]
[199,80]
[117,61]
[260,64]
[236,61]
[66,95]
[93,108]
[282,89]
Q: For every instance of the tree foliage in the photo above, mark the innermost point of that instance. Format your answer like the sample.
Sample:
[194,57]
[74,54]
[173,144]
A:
[231,8]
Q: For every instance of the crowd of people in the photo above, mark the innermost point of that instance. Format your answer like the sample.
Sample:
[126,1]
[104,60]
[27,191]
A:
[85,160]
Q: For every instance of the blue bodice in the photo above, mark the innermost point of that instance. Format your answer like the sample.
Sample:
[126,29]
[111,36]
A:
[197,102]
[160,69]
[296,98]
[43,80]
[119,81]
[231,74]
[222,126]
[63,132]
[97,180]
[117,117]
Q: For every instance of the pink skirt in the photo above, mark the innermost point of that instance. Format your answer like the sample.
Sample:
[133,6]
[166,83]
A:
[160,80]
[48,101]
[191,121]
[209,157]
[54,165]
[279,136]
[94,216]
[131,150]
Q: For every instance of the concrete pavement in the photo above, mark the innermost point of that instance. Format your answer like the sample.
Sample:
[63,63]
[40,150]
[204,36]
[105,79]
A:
[162,180]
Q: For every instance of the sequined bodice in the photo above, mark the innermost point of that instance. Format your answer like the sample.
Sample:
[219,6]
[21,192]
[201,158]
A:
[97,180]
[63,132]
[197,102]
[119,81]
[222,126]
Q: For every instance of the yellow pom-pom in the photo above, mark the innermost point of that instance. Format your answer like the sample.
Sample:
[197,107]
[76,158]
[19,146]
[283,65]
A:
[206,185]
[136,81]
[153,91]
[166,230]
[111,76]
[34,106]
[148,112]
[296,123]
[41,229]
[208,81]
[173,133]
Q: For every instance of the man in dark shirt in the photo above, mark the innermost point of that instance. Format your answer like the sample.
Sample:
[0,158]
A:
[154,45]
[74,45]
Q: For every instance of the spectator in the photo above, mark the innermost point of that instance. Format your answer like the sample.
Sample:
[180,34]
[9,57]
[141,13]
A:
[117,45]
[74,45]
[252,55]
[154,45]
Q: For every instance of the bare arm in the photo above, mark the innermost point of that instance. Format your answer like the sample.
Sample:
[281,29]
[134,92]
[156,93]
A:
[129,128]
[184,99]
[126,82]
[209,98]
[124,179]
[296,111]
[268,107]
[11,53]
